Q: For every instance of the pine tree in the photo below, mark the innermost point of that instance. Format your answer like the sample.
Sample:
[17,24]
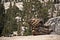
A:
[10,24]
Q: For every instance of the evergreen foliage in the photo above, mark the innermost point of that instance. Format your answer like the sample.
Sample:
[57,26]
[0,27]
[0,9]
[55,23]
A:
[10,24]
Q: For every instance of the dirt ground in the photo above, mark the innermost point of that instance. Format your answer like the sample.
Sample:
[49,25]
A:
[39,37]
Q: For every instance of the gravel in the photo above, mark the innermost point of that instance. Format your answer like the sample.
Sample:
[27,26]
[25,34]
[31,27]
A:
[39,37]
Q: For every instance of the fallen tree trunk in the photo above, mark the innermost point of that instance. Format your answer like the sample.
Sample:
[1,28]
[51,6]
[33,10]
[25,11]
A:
[38,27]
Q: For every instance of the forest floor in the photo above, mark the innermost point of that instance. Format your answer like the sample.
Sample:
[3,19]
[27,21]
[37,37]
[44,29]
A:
[39,37]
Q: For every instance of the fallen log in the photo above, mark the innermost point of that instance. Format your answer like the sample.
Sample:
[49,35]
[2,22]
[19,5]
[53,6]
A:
[38,27]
